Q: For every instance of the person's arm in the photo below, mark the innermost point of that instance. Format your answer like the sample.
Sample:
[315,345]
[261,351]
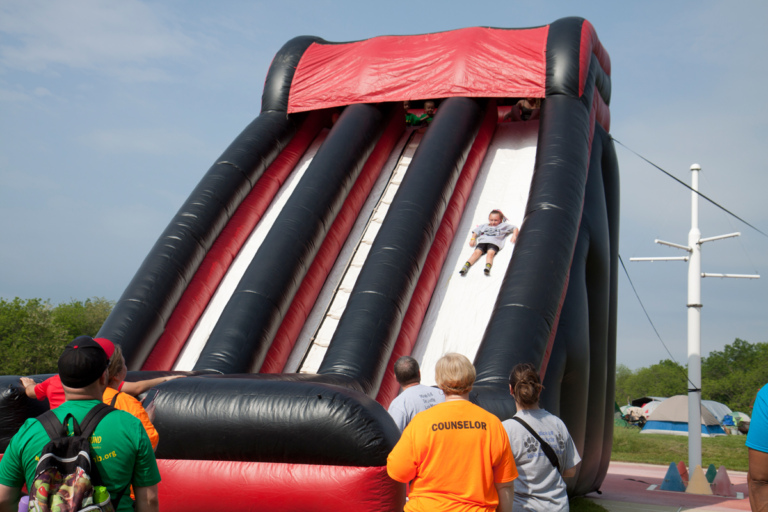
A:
[140,386]
[29,387]
[146,499]
[515,114]
[473,240]
[515,232]
[401,465]
[757,479]
[571,472]
[9,498]
[506,493]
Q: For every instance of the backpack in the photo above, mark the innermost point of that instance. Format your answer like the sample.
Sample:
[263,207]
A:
[66,478]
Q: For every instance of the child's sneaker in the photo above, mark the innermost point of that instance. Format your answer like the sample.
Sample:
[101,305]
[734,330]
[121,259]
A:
[464,270]
[487,269]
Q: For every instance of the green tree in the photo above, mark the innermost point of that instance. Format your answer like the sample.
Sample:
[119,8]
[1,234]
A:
[82,318]
[666,378]
[623,384]
[734,375]
[30,340]
[33,332]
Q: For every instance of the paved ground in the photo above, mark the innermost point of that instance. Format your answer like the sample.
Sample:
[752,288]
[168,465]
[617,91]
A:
[629,487]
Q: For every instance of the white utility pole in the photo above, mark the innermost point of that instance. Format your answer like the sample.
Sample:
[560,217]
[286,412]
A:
[694,315]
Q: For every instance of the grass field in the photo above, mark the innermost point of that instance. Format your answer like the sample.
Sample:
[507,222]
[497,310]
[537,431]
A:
[630,446]
[585,505]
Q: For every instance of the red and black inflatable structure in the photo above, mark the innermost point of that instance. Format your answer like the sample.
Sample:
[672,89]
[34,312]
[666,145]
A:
[291,441]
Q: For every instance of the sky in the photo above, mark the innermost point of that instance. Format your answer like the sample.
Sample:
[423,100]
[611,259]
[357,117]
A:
[112,111]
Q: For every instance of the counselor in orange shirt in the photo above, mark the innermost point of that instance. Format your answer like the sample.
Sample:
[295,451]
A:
[456,453]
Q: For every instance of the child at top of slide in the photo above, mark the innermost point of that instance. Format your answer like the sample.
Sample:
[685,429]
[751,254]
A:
[489,239]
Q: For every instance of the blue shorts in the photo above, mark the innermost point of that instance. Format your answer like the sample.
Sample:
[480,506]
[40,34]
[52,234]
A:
[487,247]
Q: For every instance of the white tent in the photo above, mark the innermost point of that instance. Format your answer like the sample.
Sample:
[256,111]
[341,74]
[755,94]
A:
[671,417]
[651,406]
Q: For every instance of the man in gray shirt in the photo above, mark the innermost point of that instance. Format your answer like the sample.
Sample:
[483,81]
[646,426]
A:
[415,397]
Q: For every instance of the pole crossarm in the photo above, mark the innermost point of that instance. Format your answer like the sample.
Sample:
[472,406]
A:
[676,246]
[667,258]
[719,237]
[734,276]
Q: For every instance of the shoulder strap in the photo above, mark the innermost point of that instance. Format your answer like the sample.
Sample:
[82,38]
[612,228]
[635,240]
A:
[90,422]
[548,451]
[93,418]
[53,427]
[114,399]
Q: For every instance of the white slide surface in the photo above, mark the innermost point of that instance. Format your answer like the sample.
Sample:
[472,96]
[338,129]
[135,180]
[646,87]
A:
[461,306]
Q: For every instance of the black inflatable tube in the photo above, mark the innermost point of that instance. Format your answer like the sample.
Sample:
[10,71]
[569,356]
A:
[563,49]
[584,328]
[368,328]
[244,331]
[611,182]
[277,85]
[139,317]
[598,269]
[271,418]
[16,407]
[563,61]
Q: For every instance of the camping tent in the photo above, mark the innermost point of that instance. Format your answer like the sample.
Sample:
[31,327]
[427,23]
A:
[671,417]
[717,409]
[647,404]
[738,417]
[618,416]
[640,402]
[649,407]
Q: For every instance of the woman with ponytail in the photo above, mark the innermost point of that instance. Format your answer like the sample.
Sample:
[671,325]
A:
[543,449]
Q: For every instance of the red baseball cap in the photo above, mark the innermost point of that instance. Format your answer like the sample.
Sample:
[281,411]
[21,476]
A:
[107,345]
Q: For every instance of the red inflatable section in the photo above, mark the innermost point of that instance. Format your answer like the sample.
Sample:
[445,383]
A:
[205,485]
[313,282]
[471,62]
[417,308]
[218,259]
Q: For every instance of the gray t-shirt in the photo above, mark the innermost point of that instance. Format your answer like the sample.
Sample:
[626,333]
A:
[539,487]
[496,235]
[412,401]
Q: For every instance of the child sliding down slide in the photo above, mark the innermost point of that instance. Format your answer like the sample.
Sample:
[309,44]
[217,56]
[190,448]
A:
[489,239]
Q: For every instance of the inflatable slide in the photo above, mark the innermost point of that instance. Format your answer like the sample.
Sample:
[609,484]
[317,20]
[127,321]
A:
[325,243]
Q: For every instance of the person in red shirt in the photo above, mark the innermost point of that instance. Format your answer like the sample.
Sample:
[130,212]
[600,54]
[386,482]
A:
[52,389]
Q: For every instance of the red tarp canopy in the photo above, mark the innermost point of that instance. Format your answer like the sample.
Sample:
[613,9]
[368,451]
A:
[474,62]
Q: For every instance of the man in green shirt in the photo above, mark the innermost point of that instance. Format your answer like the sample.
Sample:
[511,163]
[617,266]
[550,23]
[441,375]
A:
[119,445]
